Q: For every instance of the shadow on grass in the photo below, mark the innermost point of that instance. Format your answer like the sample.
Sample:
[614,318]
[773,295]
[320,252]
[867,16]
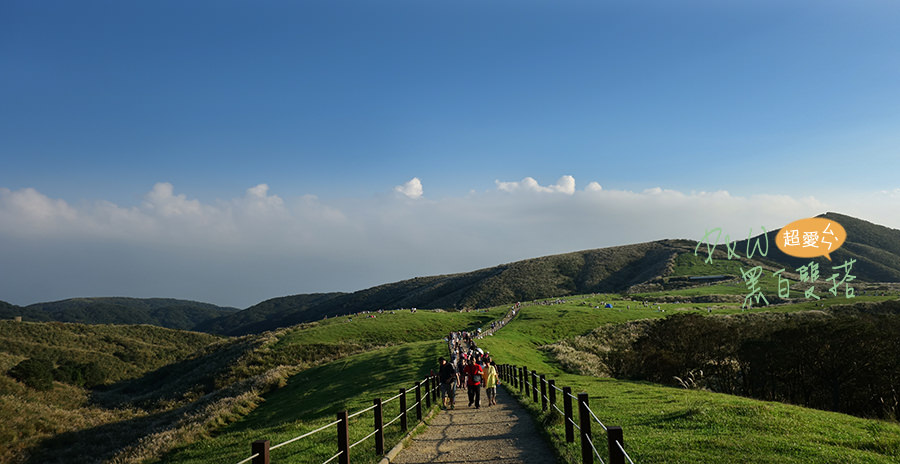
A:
[322,391]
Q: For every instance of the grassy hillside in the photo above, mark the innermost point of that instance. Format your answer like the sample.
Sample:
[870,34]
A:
[28,416]
[608,269]
[674,425]
[162,312]
[661,265]
[182,402]
[875,248]
[312,398]
[121,351]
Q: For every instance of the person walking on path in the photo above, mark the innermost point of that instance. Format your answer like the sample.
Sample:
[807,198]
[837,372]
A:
[474,379]
[491,380]
[449,378]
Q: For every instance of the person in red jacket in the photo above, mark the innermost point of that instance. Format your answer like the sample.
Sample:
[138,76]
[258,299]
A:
[474,379]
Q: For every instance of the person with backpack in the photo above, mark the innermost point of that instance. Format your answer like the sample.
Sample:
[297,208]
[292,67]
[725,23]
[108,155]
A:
[491,380]
[448,378]
[474,379]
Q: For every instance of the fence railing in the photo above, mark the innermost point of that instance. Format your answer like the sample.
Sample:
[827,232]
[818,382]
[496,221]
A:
[541,390]
[425,389]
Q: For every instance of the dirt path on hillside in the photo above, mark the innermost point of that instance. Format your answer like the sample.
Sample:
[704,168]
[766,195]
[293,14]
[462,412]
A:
[504,433]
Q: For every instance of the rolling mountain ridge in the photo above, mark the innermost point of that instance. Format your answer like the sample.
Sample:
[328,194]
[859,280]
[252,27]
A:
[875,248]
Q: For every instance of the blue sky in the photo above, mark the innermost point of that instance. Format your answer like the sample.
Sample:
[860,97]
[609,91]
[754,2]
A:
[330,105]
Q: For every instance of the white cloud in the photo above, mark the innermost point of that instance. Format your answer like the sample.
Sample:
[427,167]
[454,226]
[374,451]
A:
[162,200]
[259,245]
[565,184]
[412,188]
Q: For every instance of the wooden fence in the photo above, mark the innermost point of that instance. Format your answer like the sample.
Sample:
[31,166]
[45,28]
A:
[544,391]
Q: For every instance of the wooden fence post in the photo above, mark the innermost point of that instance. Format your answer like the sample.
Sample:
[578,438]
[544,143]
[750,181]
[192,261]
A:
[551,390]
[543,392]
[427,392]
[343,438]
[434,389]
[534,386]
[567,411]
[584,421]
[260,447]
[402,409]
[613,434]
[522,379]
[379,427]
[418,402]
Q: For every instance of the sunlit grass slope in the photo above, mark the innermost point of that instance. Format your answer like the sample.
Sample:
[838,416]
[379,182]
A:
[671,425]
[312,398]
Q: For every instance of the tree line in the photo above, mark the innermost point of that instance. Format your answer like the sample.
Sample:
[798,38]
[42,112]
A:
[844,360]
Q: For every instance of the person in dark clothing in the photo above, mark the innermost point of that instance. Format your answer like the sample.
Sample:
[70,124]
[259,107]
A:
[474,379]
[448,378]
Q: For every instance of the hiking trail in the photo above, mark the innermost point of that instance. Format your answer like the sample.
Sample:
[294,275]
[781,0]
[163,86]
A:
[504,433]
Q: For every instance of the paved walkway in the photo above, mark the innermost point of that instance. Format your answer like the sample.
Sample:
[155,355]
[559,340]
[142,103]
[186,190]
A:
[504,434]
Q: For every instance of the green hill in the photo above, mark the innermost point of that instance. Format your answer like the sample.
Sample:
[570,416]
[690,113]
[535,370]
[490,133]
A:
[662,424]
[162,312]
[196,392]
[602,270]
[875,248]
[660,265]
[76,355]
[664,264]
[676,425]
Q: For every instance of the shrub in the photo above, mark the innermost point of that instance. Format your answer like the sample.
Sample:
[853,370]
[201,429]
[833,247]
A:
[36,373]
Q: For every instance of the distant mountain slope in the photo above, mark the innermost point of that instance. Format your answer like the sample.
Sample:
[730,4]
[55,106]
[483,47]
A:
[121,352]
[875,248]
[602,270]
[163,312]
[269,309]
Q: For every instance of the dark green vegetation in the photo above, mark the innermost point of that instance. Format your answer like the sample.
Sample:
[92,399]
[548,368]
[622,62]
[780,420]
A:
[45,367]
[842,359]
[117,352]
[163,312]
[677,425]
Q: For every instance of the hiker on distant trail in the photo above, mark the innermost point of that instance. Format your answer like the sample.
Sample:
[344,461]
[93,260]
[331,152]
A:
[491,380]
[449,378]
[474,379]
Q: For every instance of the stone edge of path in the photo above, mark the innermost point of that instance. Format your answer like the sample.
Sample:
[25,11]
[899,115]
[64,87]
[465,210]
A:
[392,454]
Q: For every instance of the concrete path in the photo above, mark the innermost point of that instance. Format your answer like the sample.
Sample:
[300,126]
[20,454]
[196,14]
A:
[504,434]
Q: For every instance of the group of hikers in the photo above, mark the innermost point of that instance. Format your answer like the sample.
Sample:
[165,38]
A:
[468,366]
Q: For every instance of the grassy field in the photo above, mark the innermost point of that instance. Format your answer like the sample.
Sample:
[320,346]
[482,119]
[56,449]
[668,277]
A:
[312,398]
[670,425]
[336,364]
[389,329]
[410,348]
[28,416]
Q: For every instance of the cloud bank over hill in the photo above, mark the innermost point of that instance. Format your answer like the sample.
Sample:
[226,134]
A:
[259,245]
